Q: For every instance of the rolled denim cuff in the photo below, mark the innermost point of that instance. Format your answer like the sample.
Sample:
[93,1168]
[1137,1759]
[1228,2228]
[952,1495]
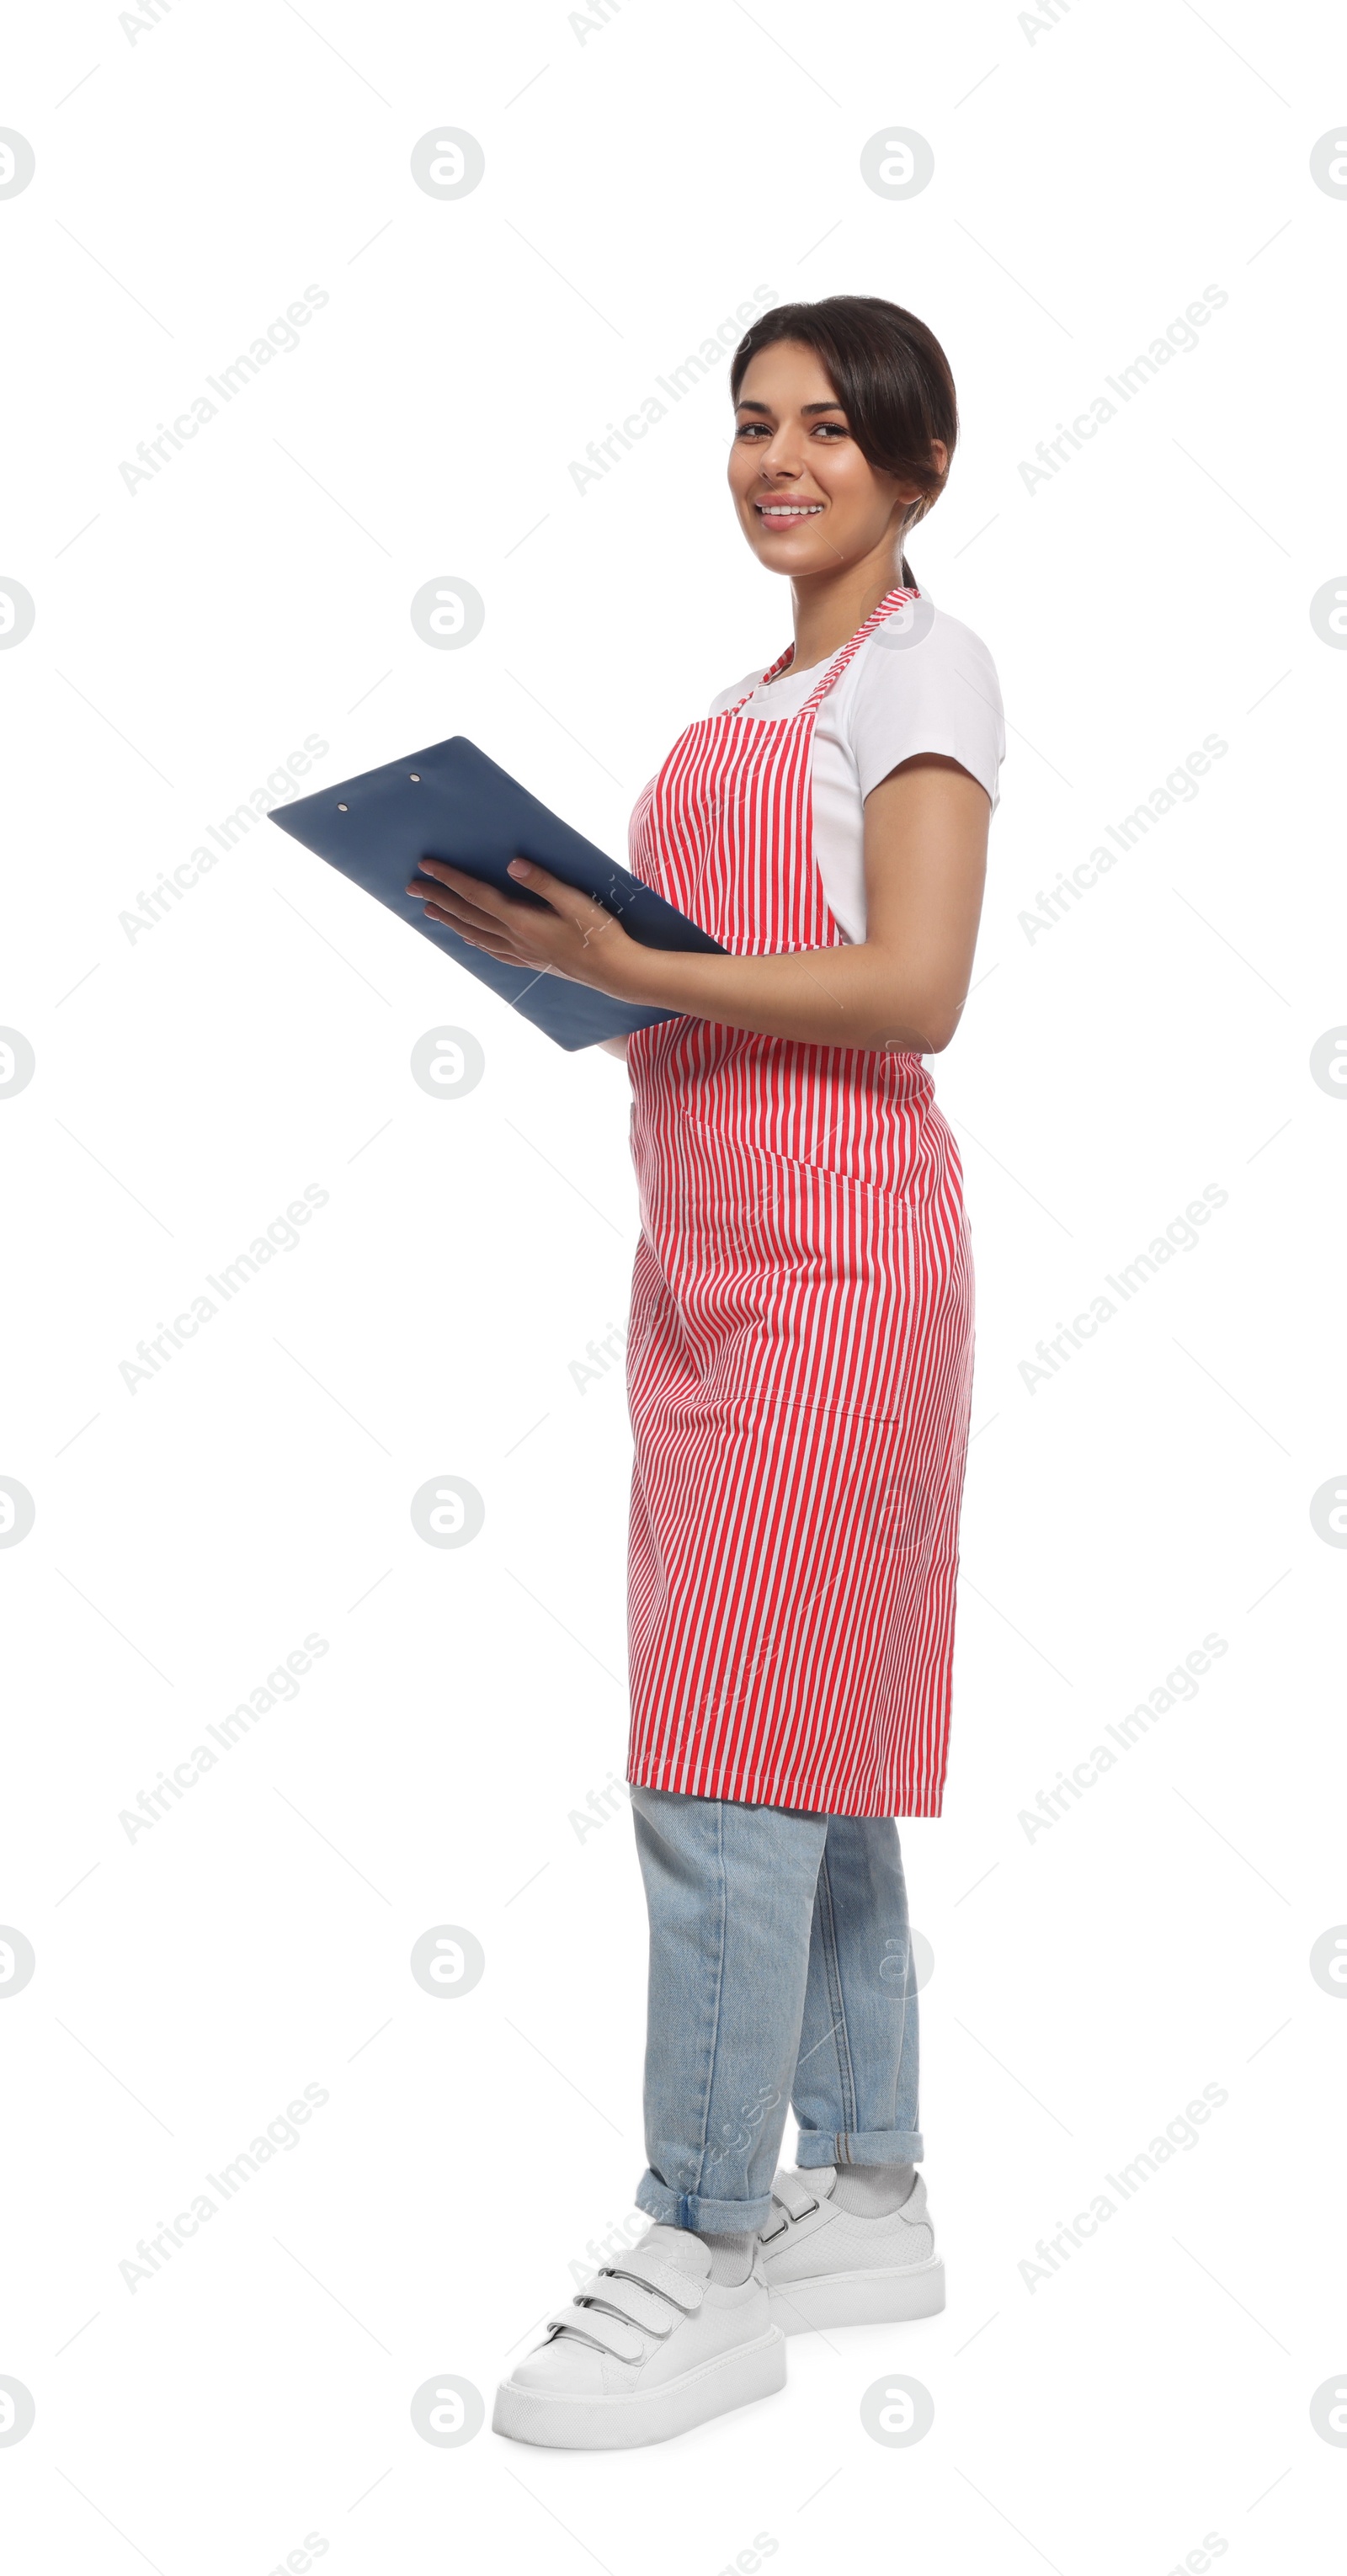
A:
[860,2147]
[704,2217]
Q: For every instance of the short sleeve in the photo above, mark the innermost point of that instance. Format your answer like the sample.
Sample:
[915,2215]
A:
[939,693]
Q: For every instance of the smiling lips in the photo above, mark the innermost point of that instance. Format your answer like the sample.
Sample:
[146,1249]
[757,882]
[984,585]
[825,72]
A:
[786,514]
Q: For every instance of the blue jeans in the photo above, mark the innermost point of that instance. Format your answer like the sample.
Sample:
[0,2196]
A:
[780,1970]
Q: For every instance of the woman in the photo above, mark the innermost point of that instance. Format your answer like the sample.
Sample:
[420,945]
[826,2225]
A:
[799,1367]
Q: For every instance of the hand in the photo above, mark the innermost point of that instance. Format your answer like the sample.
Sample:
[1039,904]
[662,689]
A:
[573,936]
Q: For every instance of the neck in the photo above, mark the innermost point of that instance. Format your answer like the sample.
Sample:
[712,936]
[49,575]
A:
[829,606]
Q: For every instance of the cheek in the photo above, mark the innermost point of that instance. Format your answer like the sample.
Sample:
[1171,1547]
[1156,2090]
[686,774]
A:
[850,485]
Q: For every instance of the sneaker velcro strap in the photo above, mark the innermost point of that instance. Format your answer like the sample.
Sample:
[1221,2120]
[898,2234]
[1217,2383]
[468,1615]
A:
[794,2194]
[646,2263]
[635,2300]
[609,2333]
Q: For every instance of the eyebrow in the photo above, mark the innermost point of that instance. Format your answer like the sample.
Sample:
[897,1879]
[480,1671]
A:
[818,406]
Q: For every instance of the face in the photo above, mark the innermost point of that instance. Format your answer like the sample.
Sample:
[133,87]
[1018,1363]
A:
[808,501]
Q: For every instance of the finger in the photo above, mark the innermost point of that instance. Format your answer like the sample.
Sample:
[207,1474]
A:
[553,890]
[495,949]
[485,898]
[463,914]
[466,889]
[457,906]
[578,909]
[502,949]
[447,874]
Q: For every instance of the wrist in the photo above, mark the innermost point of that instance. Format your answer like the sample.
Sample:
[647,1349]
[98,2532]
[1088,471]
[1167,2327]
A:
[650,978]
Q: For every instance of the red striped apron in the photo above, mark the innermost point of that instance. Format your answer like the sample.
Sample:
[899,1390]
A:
[800,1352]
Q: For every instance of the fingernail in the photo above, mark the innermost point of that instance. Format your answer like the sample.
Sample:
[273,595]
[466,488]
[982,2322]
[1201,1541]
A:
[518,868]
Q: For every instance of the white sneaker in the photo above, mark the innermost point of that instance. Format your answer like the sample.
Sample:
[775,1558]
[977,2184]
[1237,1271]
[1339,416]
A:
[827,2267]
[647,2348]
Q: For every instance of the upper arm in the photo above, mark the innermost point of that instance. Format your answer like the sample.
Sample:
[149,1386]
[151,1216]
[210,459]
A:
[926,827]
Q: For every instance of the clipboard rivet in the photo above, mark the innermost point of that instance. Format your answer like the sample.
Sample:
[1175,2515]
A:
[415,777]
[343,809]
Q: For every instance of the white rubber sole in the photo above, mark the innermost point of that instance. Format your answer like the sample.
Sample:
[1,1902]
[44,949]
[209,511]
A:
[571,2423]
[865,2298]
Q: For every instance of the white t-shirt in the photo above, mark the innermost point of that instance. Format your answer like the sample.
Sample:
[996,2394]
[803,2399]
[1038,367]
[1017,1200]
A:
[921,681]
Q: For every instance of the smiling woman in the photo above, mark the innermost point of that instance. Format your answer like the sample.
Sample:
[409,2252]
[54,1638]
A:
[799,1367]
[904,762]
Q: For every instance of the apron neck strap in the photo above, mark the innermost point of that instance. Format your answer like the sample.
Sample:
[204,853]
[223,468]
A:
[893,599]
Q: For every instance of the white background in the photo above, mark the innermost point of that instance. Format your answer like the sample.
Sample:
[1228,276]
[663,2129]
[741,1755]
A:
[642,177]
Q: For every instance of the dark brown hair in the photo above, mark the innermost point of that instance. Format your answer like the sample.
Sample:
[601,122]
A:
[889,373]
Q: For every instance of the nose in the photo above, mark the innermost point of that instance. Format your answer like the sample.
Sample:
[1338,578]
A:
[776,461]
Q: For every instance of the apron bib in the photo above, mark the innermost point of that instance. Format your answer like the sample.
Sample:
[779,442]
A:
[800,1348]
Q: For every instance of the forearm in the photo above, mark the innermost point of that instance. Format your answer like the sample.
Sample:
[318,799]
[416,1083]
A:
[855,996]
[901,988]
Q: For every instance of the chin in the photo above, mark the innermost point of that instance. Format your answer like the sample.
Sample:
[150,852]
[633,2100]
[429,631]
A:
[784,555]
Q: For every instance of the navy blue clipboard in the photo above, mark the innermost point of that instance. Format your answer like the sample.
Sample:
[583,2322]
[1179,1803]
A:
[451,802]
